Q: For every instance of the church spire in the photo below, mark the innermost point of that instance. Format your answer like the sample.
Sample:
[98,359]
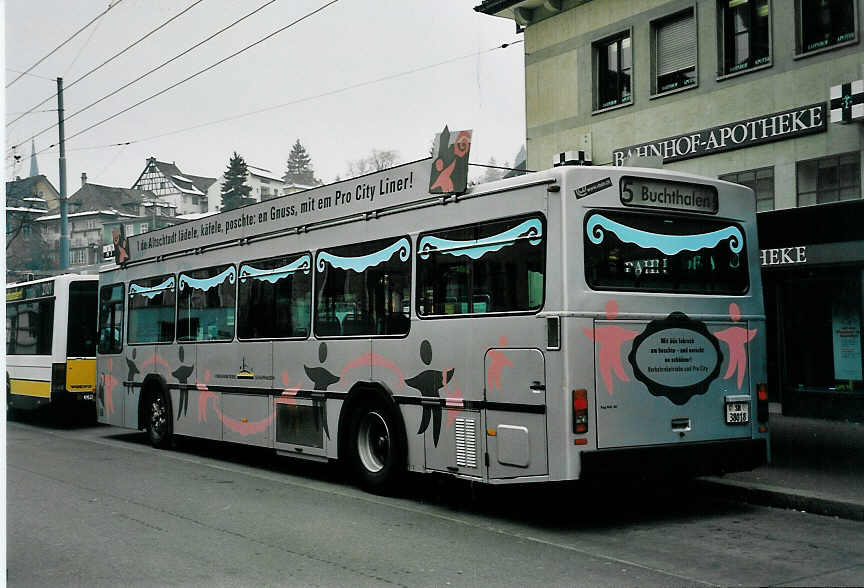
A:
[34,166]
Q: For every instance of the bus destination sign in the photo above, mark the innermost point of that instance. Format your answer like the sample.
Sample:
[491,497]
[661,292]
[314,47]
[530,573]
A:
[650,193]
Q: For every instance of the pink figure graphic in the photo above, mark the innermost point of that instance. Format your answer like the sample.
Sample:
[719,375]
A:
[204,396]
[108,383]
[452,400]
[372,358]
[444,181]
[497,362]
[736,338]
[289,394]
[610,339]
[240,427]
[154,360]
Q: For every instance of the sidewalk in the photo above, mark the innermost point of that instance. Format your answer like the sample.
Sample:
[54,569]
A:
[816,466]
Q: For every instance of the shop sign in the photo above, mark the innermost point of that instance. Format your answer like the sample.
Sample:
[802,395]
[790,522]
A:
[777,126]
[784,256]
[846,329]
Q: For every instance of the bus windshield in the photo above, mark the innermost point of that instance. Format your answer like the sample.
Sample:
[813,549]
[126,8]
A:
[651,253]
[81,334]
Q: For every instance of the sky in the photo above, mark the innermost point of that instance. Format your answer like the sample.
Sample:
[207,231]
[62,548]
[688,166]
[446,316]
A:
[320,72]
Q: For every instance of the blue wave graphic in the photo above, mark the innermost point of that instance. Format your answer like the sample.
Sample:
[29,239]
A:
[668,244]
[152,291]
[205,284]
[274,275]
[364,262]
[477,248]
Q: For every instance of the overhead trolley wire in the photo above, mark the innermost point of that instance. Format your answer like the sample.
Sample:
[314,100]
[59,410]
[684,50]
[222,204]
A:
[196,74]
[157,68]
[110,59]
[297,101]
[75,34]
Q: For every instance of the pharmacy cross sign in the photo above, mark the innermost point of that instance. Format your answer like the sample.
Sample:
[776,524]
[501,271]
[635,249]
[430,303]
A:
[847,102]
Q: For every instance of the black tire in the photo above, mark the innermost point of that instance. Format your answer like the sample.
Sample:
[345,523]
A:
[377,447]
[11,414]
[159,423]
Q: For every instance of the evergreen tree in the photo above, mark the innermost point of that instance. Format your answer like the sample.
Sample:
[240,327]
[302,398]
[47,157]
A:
[235,192]
[298,169]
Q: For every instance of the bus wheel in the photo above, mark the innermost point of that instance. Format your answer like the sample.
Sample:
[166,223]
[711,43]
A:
[377,449]
[159,426]
[10,410]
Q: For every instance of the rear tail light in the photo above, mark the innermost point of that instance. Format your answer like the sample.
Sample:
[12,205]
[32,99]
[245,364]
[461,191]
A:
[580,411]
[58,378]
[762,403]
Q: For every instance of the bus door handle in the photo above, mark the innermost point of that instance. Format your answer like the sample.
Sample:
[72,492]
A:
[536,387]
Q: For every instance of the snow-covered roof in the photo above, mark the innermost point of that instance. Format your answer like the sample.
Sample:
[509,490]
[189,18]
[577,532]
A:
[195,215]
[266,176]
[194,191]
[23,209]
[88,213]
[181,178]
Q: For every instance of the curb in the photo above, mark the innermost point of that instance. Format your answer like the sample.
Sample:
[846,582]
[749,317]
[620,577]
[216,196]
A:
[764,495]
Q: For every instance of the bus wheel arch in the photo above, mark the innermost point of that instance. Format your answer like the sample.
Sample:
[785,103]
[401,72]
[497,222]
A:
[373,443]
[154,411]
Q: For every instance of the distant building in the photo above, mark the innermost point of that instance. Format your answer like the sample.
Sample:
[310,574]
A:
[26,252]
[264,186]
[94,212]
[188,193]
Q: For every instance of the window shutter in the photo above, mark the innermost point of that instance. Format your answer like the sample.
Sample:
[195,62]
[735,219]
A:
[676,44]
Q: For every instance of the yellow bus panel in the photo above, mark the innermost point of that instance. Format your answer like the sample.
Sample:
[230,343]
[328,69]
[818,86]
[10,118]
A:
[81,375]
[31,388]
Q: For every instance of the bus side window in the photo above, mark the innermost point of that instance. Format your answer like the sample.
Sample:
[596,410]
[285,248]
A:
[274,297]
[486,268]
[111,319]
[363,289]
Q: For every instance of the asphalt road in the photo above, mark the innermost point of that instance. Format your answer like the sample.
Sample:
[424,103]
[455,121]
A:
[96,506]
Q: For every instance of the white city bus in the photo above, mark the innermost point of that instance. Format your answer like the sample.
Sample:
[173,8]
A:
[51,342]
[554,326]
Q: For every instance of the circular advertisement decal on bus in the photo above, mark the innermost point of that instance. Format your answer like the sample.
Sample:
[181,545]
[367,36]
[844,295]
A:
[676,357]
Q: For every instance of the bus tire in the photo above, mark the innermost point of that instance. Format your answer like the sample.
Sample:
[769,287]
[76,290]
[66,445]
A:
[159,422]
[10,409]
[376,446]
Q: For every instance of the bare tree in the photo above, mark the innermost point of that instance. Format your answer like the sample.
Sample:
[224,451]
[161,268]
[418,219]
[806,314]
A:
[377,160]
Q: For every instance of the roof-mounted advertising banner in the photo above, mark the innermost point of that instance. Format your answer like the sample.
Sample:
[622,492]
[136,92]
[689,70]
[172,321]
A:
[357,196]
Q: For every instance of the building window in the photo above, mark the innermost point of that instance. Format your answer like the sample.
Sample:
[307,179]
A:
[674,52]
[130,230]
[613,72]
[761,181]
[745,35]
[145,227]
[829,179]
[78,256]
[825,23]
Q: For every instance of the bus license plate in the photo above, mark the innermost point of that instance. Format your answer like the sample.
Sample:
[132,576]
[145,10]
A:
[737,413]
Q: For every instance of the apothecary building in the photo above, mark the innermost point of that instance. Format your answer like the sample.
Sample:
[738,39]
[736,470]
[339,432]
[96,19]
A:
[765,93]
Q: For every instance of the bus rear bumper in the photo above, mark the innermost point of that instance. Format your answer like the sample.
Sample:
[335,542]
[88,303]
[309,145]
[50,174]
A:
[692,459]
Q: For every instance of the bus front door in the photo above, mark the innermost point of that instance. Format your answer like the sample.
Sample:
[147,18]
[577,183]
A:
[515,400]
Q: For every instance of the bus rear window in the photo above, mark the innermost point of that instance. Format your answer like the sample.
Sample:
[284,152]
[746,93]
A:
[653,253]
[83,308]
